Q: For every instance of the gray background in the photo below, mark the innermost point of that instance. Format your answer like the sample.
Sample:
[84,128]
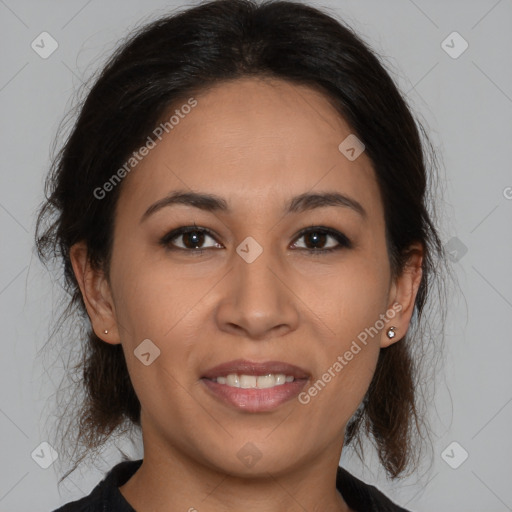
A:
[466,103]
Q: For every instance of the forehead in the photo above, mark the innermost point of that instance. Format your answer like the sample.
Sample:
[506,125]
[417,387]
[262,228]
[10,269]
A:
[254,139]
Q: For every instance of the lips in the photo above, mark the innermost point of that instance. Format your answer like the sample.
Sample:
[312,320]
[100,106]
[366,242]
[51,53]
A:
[232,383]
[242,366]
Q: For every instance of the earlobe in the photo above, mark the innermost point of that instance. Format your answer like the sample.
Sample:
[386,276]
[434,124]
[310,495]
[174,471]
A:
[96,294]
[403,292]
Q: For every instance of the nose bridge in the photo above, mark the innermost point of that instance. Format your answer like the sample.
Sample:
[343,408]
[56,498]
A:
[258,301]
[255,283]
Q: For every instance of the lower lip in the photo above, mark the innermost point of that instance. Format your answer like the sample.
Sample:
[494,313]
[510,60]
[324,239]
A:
[255,400]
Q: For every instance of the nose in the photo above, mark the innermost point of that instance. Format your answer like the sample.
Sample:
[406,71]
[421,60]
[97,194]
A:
[258,301]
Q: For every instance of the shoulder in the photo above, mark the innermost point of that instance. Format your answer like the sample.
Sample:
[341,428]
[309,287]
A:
[363,497]
[106,496]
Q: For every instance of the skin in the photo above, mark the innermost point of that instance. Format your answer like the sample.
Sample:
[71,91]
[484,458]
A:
[256,143]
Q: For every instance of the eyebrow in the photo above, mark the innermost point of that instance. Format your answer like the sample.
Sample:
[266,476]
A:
[298,204]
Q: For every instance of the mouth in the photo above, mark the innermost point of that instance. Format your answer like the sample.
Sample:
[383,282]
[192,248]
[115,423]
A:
[255,387]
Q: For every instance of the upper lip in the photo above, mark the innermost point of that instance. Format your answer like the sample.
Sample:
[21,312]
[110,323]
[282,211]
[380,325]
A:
[245,367]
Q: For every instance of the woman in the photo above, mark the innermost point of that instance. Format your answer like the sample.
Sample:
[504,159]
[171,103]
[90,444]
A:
[241,212]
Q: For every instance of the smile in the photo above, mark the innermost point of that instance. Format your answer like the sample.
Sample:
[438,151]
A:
[255,381]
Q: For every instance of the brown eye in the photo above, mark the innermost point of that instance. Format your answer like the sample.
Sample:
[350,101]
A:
[316,239]
[192,239]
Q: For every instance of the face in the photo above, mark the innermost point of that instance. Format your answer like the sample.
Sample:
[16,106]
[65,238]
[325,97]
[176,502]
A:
[265,281]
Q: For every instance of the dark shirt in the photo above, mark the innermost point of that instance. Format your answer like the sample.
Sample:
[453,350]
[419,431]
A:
[106,497]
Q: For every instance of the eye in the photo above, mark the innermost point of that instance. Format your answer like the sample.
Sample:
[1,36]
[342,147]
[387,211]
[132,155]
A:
[192,238]
[316,236]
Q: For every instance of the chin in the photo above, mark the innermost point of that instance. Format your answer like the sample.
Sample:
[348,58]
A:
[248,459]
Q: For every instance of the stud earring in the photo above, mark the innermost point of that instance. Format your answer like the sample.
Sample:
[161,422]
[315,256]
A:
[105,331]
[391,332]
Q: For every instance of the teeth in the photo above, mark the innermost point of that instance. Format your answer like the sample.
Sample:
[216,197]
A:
[280,379]
[248,381]
[266,381]
[255,381]
[232,380]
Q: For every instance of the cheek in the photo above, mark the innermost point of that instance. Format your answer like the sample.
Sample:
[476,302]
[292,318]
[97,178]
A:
[351,298]
[347,357]
[155,321]
[154,301]
[344,370]
[149,295]
[165,316]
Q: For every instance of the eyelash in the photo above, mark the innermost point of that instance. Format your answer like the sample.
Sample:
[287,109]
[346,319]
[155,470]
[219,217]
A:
[343,241]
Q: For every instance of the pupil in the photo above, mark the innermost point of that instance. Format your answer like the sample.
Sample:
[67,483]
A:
[316,238]
[196,236]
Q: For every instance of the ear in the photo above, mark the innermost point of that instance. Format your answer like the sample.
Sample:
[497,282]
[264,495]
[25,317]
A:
[402,295]
[96,294]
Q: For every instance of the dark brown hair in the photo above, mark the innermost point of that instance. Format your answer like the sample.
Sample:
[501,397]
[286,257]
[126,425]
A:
[179,56]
